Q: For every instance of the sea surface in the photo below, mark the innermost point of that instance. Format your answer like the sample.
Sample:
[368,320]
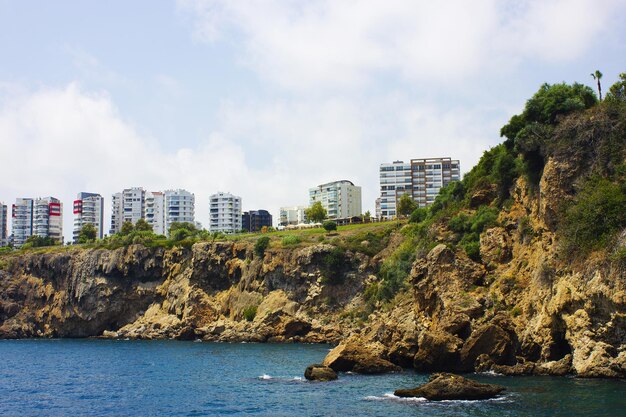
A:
[174,378]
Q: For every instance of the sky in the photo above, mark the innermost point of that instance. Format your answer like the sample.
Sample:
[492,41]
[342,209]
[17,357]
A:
[266,99]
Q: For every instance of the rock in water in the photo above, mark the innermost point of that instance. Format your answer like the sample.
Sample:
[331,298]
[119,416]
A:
[319,372]
[445,386]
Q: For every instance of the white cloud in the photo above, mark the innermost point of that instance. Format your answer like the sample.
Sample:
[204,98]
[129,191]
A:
[336,44]
[62,141]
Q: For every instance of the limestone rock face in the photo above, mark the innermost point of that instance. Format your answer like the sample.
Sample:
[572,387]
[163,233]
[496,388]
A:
[318,372]
[495,245]
[444,386]
[353,356]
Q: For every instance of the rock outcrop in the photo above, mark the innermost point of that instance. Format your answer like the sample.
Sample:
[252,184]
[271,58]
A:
[445,386]
[318,372]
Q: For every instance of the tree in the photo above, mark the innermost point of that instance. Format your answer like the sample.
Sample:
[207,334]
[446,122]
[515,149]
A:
[316,213]
[406,205]
[617,92]
[88,233]
[367,216]
[127,228]
[597,76]
[143,226]
[36,241]
[329,226]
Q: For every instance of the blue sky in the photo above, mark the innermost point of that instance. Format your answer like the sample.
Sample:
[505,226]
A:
[268,98]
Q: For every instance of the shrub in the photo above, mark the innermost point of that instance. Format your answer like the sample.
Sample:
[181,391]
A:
[595,215]
[472,249]
[333,265]
[261,244]
[249,313]
[291,240]
[329,226]
[419,215]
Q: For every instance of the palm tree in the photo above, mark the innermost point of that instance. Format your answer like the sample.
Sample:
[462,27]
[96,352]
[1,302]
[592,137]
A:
[596,76]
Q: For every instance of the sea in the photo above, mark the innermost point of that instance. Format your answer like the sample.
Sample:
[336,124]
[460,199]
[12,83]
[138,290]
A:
[88,377]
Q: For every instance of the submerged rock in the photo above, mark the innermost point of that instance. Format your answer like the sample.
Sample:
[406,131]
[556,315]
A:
[444,386]
[319,372]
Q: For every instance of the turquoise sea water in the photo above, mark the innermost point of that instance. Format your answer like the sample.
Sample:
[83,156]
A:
[173,378]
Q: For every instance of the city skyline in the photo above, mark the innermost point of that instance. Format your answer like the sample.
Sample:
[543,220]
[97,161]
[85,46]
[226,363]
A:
[267,100]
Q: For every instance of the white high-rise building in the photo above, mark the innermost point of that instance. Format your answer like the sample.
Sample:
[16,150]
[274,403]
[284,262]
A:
[159,209]
[4,237]
[22,220]
[127,206]
[155,211]
[134,204]
[88,208]
[225,213]
[48,218]
[421,179]
[117,213]
[395,180]
[341,199]
[292,215]
[180,207]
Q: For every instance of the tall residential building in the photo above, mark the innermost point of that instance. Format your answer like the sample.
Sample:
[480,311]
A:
[341,199]
[127,206]
[4,236]
[134,204]
[225,213]
[179,207]
[88,208]
[157,208]
[22,220]
[254,220]
[292,215]
[421,179]
[429,175]
[117,213]
[155,211]
[395,180]
[48,218]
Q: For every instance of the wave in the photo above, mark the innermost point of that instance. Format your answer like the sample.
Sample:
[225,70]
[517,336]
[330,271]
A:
[265,377]
[391,397]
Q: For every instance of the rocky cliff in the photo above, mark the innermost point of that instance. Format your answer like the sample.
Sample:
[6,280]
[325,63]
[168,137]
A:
[499,295]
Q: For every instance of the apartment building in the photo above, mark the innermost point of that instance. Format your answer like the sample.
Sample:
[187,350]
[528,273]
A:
[22,220]
[429,175]
[88,209]
[395,180]
[421,179]
[225,213]
[48,218]
[179,207]
[117,213]
[341,199]
[292,215]
[127,206]
[4,235]
[254,220]
[155,211]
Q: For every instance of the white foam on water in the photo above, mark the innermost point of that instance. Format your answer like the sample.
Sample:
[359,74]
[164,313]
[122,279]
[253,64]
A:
[297,378]
[490,373]
[388,396]
[265,377]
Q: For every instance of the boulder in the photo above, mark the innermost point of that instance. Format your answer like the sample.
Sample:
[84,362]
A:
[319,372]
[357,357]
[438,351]
[444,386]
